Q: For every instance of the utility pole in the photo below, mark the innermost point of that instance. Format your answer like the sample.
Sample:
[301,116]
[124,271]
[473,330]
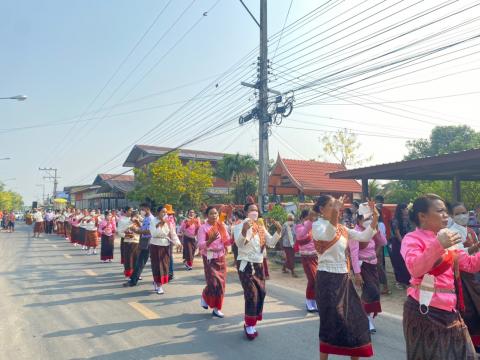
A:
[261,112]
[263,121]
[52,175]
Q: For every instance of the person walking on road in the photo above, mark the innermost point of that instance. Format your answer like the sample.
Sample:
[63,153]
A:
[364,264]
[288,242]
[188,232]
[344,323]
[308,256]
[163,235]
[144,242]
[252,238]
[213,238]
[11,222]
[38,226]
[107,229]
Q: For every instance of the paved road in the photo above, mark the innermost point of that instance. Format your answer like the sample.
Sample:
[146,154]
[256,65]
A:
[58,303]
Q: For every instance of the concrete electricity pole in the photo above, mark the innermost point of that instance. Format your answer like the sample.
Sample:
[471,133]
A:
[263,118]
[51,174]
[283,106]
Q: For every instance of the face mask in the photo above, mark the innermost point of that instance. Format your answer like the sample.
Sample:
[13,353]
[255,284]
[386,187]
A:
[290,222]
[165,217]
[143,213]
[461,219]
[253,215]
[367,223]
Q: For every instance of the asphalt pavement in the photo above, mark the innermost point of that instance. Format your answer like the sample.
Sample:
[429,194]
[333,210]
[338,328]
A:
[58,303]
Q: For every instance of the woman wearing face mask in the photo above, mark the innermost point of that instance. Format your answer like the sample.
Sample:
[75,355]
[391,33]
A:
[432,324]
[364,264]
[107,229]
[470,285]
[288,241]
[308,255]
[163,234]
[401,226]
[189,231]
[212,239]
[252,238]
[344,323]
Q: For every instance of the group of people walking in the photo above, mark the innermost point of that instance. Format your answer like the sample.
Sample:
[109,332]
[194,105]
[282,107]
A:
[437,262]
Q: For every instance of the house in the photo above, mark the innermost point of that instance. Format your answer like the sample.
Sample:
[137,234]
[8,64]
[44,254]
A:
[142,155]
[309,178]
[108,191]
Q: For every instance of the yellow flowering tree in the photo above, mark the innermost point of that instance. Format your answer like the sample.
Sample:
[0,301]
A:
[169,181]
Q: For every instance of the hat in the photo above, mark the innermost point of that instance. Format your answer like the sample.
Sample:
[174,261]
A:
[169,209]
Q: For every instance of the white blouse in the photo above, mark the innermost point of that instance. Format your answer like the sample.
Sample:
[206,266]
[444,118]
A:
[333,259]
[163,235]
[249,249]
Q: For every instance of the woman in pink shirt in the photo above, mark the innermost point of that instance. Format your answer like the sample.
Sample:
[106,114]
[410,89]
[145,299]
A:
[189,230]
[364,265]
[107,229]
[432,324]
[308,255]
[212,239]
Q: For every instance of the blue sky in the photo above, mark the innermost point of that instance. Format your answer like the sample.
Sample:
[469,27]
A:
[61,53]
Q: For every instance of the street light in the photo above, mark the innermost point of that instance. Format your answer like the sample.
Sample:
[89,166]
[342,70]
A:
[16,97]
[6,158]
[11,179]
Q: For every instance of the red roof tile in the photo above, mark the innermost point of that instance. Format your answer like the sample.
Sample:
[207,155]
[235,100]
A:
[313,176]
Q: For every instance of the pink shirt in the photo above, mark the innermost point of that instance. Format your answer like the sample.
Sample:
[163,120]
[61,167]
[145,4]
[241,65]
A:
[217,247]
[368,254]
[190,231]
[303,234]
[107,228]
[421,250]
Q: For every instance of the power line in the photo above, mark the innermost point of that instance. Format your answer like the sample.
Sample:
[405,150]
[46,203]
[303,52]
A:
[283,28]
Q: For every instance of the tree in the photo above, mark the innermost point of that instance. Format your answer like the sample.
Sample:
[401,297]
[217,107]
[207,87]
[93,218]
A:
[168,181]
[10,200]
[198,178]
[442,140]
[242,170]
[374,188]
[344,147]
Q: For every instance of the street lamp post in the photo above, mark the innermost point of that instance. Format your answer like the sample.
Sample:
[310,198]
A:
[16,97]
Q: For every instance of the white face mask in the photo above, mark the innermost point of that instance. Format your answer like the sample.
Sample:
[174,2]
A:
[165,217]
[290,222]
[253,215]
[461,219]
[143,213]
[367,223]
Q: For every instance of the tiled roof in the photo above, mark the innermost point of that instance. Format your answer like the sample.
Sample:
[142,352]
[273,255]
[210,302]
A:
[115,177]
[142,154]
[314,175]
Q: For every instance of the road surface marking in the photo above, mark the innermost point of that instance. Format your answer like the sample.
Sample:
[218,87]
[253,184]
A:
[67,256]
[90,272]
[47,240]
[54,245]
[149,314]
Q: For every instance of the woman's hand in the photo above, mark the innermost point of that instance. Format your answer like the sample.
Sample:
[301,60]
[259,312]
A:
[246,226]
[376,215]
[277,225]
[213,237]
[338,203]
[448,238]
[358,280]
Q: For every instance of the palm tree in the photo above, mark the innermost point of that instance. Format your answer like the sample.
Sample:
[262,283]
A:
[238,169]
